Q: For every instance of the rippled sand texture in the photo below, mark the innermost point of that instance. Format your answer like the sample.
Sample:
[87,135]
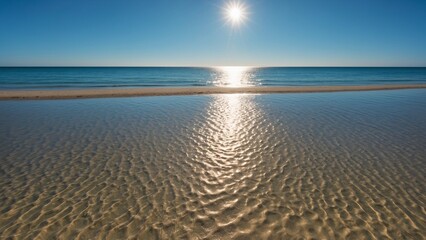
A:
[296,166]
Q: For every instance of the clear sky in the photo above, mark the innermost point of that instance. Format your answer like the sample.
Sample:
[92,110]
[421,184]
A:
[195,33]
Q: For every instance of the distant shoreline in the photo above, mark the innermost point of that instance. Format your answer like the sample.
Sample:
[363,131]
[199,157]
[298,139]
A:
[168,91]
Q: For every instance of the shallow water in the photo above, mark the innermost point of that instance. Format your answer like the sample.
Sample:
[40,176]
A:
[326,166]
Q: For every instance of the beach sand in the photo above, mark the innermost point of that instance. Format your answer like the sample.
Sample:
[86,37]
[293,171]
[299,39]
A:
[132,92]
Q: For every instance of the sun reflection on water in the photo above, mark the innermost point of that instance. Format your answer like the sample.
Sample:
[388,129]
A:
[228,133]
[237,76]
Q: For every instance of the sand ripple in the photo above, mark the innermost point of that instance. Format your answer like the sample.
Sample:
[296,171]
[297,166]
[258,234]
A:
[311,166]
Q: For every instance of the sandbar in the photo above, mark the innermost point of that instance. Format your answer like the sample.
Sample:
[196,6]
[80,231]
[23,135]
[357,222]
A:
[163,91]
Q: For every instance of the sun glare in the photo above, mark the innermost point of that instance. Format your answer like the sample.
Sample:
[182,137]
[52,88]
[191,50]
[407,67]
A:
[236,76]
[235,13]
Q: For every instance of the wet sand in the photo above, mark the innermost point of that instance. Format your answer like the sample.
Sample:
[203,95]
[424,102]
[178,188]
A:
[348,165]
[132,92]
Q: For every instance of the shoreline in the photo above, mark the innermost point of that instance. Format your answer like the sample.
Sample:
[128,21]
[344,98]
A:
[170,91]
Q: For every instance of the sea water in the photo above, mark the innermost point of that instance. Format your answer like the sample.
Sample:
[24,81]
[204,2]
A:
[125,77]
[348,165]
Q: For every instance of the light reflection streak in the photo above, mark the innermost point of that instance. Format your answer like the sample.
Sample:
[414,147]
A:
[229,136]
[237,76]
[228,131]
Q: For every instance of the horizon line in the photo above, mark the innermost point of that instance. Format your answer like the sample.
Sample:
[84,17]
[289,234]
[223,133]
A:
[211,66]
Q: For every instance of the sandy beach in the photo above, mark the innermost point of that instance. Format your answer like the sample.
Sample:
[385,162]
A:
[164,91]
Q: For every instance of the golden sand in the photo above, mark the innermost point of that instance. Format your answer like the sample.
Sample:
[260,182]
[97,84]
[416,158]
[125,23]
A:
[133,92]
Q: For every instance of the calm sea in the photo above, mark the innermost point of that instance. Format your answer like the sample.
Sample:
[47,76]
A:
[109,77]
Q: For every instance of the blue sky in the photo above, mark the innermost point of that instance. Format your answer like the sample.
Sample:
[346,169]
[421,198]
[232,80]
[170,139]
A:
[195,33]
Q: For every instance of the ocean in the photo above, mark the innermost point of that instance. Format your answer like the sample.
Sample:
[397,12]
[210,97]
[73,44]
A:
[14,78]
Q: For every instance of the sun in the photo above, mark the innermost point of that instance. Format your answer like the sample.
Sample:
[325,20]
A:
[235,13]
